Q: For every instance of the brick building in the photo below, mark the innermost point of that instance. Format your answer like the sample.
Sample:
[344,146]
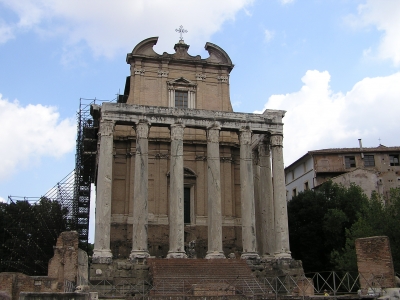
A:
[373,169]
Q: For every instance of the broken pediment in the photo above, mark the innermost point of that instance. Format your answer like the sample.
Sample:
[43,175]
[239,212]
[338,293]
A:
[217,54]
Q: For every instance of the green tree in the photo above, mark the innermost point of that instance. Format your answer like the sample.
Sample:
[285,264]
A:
[374,219]
[318,221]
[28,234]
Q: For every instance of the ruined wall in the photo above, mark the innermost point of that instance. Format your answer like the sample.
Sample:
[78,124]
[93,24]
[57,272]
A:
[374,261]
[63,266]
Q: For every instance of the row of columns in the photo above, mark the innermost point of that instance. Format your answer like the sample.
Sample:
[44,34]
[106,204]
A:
[273,204]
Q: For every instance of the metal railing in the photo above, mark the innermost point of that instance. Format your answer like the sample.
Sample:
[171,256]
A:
[313,284]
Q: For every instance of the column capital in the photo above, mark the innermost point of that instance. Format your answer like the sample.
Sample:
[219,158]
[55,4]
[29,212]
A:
[177,131]
[106,128]
[264,147]
[245,136]
[213,134]
[277,140]
[142,129]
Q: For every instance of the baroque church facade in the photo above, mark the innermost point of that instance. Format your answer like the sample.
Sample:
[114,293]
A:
[176,165]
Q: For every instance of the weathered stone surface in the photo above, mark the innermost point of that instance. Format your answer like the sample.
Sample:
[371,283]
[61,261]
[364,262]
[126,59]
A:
[374,261]
[280,205]
[247,197]
[214,194]
[176,225]
[140,197]
[102,252]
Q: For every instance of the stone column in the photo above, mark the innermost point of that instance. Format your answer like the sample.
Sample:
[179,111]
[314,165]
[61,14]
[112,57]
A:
[281,219]
[247,196]
[176,218]
[214,215]
[102,252]
[140,193]
[266,200]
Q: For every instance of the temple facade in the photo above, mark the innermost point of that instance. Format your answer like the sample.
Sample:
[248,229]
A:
[176,165]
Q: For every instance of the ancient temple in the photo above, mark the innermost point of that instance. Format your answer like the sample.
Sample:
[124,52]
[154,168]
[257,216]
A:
[176,165]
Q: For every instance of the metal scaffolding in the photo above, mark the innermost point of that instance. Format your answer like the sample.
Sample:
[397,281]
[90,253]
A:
[74,190]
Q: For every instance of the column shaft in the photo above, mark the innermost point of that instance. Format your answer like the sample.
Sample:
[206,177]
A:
[140,193]
[247,196]
[102,252]
[266,200]
[176,205]
[214,216]
[281,219]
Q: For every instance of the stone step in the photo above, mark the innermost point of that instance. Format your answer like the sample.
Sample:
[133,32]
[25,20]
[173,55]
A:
[203,277]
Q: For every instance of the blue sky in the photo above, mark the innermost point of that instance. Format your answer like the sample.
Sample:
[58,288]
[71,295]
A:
[334,65]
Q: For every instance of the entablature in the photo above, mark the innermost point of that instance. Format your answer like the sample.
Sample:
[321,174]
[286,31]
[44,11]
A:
[129,114]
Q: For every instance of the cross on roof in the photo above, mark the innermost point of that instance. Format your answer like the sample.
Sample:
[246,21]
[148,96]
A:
[181,30]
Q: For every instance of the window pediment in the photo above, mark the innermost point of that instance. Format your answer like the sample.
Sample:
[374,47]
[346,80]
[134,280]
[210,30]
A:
[181,82]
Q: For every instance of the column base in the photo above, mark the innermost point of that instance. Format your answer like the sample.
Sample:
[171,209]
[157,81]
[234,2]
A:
[102,256]
[172,254]
[138,254]
[268,257]
[250,255]
[279,255]
[215,255]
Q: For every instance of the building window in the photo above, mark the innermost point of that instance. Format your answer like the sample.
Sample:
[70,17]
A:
[306,187]
[181,99]
[294,193]
[369,161]
[394,160]
[182,93]
[350,161]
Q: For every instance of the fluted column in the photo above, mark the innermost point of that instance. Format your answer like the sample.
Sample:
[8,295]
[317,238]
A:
[140,193]
[214,216]
[102,252]
[176,218]
[247,196]
[266,200]
[281,218]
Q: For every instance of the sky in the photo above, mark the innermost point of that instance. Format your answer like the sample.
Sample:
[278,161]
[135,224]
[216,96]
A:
[333,65]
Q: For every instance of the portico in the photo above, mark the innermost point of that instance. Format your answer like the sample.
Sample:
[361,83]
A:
[264,130]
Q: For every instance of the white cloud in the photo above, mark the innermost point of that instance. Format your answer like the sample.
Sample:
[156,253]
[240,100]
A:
[268,35]
[109,26]
[2,200]
[384,15]
[318,118]
[286,1]
[6,33]
[30,132]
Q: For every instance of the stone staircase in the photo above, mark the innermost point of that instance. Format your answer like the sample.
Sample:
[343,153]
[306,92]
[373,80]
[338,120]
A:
[203,277]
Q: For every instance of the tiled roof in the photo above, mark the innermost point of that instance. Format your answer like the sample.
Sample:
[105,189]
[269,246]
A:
[381,148]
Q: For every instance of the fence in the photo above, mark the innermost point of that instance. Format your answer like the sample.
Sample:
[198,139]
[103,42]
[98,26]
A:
[334,283]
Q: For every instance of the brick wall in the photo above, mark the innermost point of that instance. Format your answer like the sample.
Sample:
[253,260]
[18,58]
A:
[374,261]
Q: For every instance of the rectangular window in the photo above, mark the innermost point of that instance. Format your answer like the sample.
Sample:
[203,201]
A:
[369,161]
[181,99]
[350,161]
[394,160]
[306,187]
[294,193]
